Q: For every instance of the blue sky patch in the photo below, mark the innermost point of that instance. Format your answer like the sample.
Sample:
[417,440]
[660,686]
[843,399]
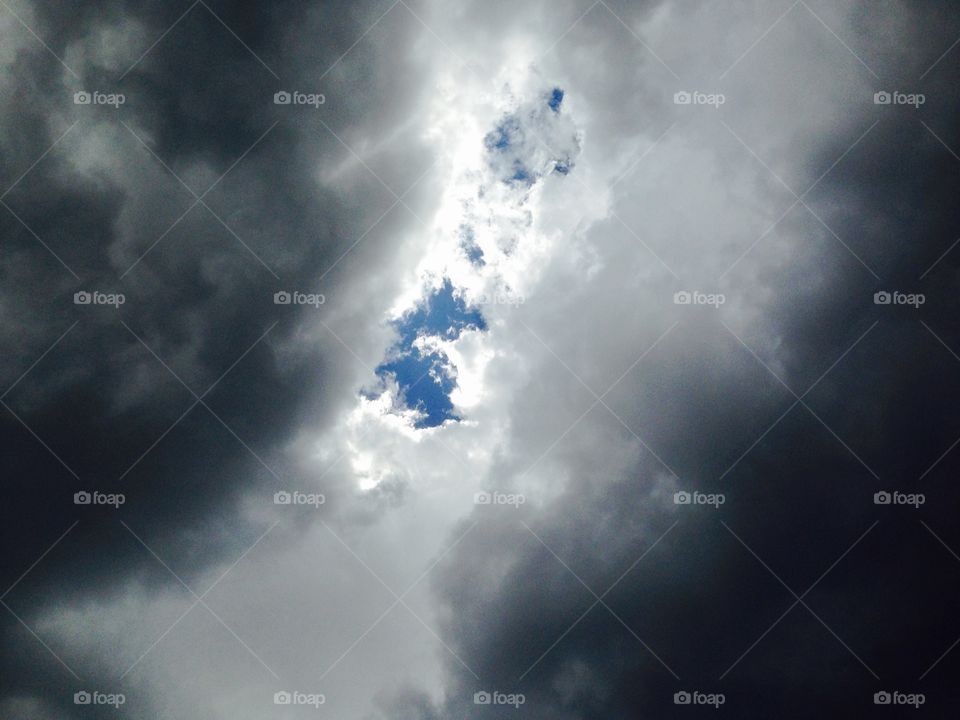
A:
[556,97]
[515,146]
[503,135]
[521,175]
[426,382]
[443,313]
[426,379]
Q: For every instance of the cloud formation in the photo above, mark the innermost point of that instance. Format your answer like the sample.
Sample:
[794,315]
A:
[518,470]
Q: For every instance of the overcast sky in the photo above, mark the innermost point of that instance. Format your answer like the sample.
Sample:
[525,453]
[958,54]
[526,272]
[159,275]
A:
[474,359]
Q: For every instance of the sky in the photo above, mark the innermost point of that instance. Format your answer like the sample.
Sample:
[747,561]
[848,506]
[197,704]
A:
[409,359]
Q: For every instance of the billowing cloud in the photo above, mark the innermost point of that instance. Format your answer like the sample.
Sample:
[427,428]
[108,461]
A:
[535,359]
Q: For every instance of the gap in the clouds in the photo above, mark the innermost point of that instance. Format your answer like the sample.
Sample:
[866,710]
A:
[504,135]
[521,174]
[556,97]
[424,374]
[507,139]
[513,144]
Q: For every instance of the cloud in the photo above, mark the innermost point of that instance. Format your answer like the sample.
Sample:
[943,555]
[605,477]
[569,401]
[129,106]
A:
[525,169]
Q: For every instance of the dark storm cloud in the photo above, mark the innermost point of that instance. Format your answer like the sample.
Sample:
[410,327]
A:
[800,499]
[99,410]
